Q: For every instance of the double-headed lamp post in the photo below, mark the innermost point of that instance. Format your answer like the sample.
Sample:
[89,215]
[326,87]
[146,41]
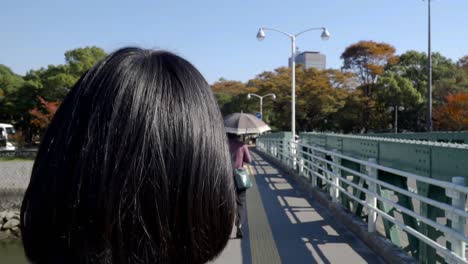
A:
[261,100]
[325,36]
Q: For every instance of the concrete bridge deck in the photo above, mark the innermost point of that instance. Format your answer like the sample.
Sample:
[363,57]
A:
[285,225]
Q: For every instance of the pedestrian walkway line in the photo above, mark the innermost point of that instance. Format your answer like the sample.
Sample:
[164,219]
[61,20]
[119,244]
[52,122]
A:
[262,243]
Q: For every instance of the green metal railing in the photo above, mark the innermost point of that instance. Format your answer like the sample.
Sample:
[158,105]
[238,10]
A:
[432,162]
[460,137]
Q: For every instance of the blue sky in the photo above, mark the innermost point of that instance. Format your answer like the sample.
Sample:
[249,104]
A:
[219,36]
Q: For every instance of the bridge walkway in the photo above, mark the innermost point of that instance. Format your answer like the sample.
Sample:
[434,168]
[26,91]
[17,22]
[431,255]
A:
[285,225]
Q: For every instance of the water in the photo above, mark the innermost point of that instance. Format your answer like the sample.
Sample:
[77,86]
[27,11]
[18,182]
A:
[11,252]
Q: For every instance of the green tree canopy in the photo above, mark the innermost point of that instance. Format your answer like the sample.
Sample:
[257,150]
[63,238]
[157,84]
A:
[447,78]
[55,81]
[396,90]
[463,64]
[10,84]
[18,95]
[81,59]
[350,118]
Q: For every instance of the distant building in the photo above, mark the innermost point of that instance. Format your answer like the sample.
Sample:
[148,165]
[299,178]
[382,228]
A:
[311,59]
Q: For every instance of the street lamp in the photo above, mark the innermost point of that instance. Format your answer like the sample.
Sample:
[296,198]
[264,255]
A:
[261,100]
[429,69]
[261,36]
[396,109]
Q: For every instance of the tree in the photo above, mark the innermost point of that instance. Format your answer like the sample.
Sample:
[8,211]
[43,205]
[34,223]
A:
[412,65]
[447,79]
[446,76]
[463,64]
[231,87]
[320,98]
[43,115]
[350,118]
[277,113]
[55,81]
[82,59]
[367,60]
[394,90]
[232,96]
[317,97]
[10,84]
[454,115]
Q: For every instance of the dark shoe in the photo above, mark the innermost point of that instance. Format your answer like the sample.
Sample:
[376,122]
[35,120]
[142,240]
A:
[239,233]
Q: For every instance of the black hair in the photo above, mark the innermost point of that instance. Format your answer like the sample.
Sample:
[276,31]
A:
[233,136]
[134,168]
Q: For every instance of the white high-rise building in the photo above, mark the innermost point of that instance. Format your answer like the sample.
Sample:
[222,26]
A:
[311,59]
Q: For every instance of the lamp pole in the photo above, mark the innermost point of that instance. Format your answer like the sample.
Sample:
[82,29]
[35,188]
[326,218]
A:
[261,99]
[429,69]
[325,36]
[396,109]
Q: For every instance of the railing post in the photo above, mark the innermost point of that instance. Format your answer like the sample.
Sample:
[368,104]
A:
[372,198]
[293,149]
[314,169]
[335,192]
[284,152]
[458,222]
[301,164]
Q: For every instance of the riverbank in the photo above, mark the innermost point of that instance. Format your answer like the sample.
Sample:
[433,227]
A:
[9,225]
[11,252]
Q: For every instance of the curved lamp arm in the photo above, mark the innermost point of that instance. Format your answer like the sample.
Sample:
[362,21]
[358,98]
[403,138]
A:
[277,30]
[252,94]
[325,33]
[261,97]
[310,29]
[270,94]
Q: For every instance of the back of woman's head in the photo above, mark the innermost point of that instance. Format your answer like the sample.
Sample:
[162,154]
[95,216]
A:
[133,168]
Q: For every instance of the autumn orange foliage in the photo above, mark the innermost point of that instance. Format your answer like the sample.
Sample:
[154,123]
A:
[367,59]
[43,115]
[454,115]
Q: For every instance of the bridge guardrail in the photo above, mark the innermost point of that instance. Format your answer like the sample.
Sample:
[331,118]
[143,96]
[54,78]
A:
[326,169]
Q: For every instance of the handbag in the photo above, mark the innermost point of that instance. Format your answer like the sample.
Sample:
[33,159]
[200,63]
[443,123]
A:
[242,179]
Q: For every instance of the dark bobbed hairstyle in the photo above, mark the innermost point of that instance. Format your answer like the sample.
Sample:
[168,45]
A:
[134,168]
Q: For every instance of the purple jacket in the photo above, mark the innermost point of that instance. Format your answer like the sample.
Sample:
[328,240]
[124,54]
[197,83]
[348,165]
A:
[240,153]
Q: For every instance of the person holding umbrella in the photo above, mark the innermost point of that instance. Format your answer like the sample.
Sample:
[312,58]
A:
[240,154]
[235,125]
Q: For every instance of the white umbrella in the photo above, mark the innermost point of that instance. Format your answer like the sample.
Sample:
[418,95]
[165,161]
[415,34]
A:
[240,123]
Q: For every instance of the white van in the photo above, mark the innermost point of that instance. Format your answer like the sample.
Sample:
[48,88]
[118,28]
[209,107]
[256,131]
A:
[6,131]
